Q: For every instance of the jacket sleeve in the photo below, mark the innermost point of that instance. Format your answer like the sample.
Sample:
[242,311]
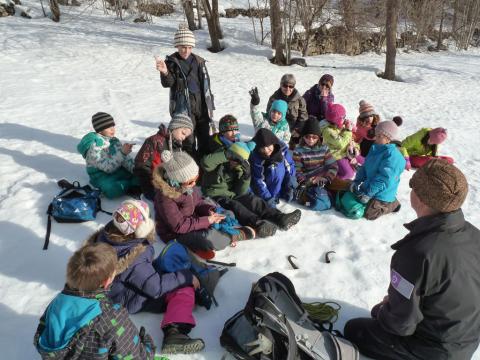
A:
[413,143]
[302,113]
[211,161]
[258,178]
[108,159]
[298,160]
[336,140]
[380,181]
[169,79]
[181,224]
[258,120]
[270,102]
[143,166]
[402,313]
[361,175]
[324,102]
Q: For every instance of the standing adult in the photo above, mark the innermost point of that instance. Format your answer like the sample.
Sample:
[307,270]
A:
[432,309]
[186,75]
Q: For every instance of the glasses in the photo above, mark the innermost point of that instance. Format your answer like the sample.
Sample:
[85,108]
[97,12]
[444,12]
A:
[288,86]
[311,137]
[325,85]
[191,182]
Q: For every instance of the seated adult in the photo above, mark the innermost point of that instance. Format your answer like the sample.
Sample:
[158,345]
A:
[319,96]
[432,310]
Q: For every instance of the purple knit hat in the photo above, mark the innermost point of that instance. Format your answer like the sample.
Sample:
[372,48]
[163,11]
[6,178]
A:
[437,136]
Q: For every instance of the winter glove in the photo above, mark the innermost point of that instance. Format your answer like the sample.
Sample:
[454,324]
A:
[272,202]
[255,98]
[203,298]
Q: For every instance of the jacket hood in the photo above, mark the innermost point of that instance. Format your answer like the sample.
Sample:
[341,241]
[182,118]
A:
[281,106]
[163,186]
[264,137]
[65,316]
[87,141]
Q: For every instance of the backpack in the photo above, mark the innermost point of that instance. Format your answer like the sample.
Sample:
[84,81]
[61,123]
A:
[349,206]
[175,257]
[316,198]
[275,326]
[74,204]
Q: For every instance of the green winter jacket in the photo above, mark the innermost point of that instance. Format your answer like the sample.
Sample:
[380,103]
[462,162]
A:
[413,144]
[219,179]
[336,139]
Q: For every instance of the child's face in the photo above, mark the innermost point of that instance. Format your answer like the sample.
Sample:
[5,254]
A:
[267,150]
[311,139]
[109,132]
[366,121]
[180,134]
[381,139]
[191,183]
[230,135]
[275,116]
[184,51]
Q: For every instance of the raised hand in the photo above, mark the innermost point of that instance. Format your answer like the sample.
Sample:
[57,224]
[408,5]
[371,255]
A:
[255,98]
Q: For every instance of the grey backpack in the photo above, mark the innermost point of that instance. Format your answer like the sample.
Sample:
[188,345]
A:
[275,326]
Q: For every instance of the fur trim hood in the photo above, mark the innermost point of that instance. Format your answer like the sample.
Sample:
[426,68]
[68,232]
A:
[160,184]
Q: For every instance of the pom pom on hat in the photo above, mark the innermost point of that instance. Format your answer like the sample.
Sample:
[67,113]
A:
[397,120]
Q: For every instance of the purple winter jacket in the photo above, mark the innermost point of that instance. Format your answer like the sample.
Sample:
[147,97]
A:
[139,282]
[316,104]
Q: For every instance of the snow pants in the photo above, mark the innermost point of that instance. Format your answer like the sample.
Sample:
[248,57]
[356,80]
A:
[204,240]
[115,184]
[377,208]
[345,170]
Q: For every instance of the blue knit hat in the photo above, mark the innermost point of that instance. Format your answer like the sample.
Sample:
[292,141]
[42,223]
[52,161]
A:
[281,106]
[242,149]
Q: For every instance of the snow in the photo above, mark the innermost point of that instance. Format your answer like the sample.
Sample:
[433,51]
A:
[56,75]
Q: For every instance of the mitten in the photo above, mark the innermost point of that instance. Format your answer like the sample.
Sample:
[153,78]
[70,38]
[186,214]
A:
[255,98]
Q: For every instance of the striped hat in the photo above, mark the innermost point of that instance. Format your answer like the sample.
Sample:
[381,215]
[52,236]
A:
[365,109]
[180,121]
[102,121]
[184,37]
[228,123]
[241,150]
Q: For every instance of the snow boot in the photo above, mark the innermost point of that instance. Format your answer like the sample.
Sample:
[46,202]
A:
[286,221]
[245,233]
[265,229]
[177,341]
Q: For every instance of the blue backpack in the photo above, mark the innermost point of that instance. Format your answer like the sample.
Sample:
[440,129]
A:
[74,204]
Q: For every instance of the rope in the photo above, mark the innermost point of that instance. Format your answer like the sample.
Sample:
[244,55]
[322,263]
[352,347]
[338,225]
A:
[322,312]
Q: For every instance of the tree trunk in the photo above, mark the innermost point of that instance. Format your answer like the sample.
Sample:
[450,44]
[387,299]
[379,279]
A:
[216,19]
[277,34]
[212,26]
[348,7]
[391,37]
[440,30]
[188,9]
[55,10]
[199,13]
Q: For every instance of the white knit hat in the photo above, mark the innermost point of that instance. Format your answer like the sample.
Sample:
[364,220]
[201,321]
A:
[184,37]
[179,166]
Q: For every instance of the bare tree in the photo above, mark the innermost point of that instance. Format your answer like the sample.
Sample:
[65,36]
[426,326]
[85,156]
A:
[440,30]
[55,9]
[308,12]
[261,10]
[211,13]
[391,37]
[348,12]
[277,33]
[468,20]
[199,13]
[188,9]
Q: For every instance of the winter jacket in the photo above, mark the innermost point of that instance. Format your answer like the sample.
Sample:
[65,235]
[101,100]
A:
[337,140]
[416,145]
[380,174]
[219,178]
[297,108]
[362,132]
[85,326]
[104,157]
[178,213]
[314,161]
[261,120]
[316,104]
[137,281]
[149,157]
[183,86]
[434,292]
[271,176]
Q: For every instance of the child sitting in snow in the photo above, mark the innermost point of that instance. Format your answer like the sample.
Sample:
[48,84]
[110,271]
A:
[275,120]
[364,130]
[82,323]
[273,169]
[315,166]
[337,135]
[138,286]
[149,155]
[422,146]
[109,163]
[181,213]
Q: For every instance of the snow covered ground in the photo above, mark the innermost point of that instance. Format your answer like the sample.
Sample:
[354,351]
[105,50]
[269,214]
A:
[55,76]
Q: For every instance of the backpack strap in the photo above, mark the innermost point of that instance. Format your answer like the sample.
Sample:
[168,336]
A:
[49,227]
[214,262]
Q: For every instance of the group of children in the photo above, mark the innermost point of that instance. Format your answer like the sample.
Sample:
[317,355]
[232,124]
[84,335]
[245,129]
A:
[304,150]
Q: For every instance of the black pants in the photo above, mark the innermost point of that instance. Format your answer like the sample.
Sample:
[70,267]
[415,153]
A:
[249,209]
[376,343]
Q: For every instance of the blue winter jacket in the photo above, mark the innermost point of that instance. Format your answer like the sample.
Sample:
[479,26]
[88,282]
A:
[137,281]
[270,177]
[380,174]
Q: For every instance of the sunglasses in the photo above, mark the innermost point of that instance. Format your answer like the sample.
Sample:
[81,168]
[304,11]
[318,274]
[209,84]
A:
[288,86]
[325,85]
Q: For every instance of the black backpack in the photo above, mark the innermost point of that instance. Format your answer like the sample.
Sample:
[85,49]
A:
[275,326]
[75,203]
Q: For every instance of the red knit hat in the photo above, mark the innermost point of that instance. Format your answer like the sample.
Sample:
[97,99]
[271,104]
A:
[437,136]
[335,114]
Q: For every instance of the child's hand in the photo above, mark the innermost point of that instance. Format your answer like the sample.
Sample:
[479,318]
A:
[127,148]
[161,66]
[215,218]
[347,124]
[195,282]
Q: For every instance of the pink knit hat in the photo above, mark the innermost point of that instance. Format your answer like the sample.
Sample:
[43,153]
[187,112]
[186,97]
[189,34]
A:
[136,216]
[437,136]
[365,109]
[387,128]
[335,114]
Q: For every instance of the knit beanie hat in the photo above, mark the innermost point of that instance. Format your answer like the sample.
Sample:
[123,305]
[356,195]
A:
[365,109]
[335,114]
[184,37]
[312,126]
[179,166]
[228,123]
[326,78]
[102,121]
[387,128]
[242,150]
[440,185]
[288,79]
[137,218]
[437,136]
[264,137]
[281,106]
[180,121]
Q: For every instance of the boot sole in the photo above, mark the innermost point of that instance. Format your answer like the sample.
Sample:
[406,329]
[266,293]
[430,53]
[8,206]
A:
[266,231]
[183,349]
[293,220]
